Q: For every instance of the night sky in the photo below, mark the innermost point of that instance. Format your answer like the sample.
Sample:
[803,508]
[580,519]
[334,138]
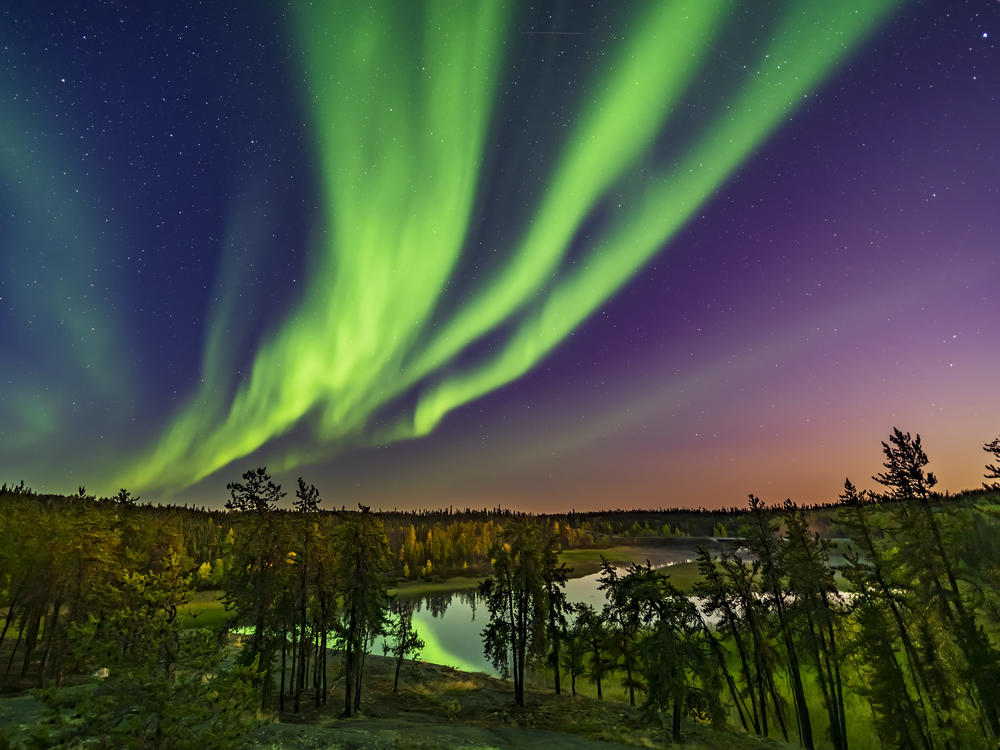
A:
[552,255]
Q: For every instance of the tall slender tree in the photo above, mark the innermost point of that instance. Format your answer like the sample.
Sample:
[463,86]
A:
[765,544]
[910,485]
[896,686]
[597,653]
[575,646]
[305,505]
[364,562]
[728,592]
[516,599]
[554,574]
[815,611]
[623,612]
[404,640]
[677,661]
[253,587]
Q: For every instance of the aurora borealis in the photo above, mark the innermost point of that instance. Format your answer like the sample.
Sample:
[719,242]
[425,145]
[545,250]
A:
[472,252]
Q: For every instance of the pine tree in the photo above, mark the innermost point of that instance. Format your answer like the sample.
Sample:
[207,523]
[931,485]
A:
[554,575]
[516,599]
[404,640]
[575,647]
[764,543]
[306,505]
[165,687]
[622,610]
[928,557]
[738,620]
[257,492]
[595,637]
[815,611]
[253,588]
[364,561]
[898,703]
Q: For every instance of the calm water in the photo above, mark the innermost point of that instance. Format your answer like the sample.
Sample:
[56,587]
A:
[451,623]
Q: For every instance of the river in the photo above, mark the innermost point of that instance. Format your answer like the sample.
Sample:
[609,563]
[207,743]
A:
[451,623]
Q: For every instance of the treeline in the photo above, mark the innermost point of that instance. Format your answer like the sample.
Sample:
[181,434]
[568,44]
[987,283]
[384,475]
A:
[776,635]
[429,545]
[88,585]
[424,544]
[57,556]
[92,584]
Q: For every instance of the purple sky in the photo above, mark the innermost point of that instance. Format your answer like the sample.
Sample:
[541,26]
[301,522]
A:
[844,281]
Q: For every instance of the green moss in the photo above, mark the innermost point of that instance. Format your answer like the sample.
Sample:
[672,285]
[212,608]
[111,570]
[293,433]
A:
[205,610]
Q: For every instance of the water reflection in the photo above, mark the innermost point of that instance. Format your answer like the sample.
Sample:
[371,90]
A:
[437,604]
[451,623]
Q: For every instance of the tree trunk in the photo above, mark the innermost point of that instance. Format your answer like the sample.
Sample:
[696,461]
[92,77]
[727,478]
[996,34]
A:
[284,650]
[361,674]
[295,658]
[675,729]
[317,662]
[20,632]
[627,660]
[720,660]
[29,643]
[597,657]
[833,667]
[762,727]
[764,673]
[513,640]
[349,665]
[303,669]
[10,613]
[303,596]
[265,666]
[51,636]
[745,666]
[325,657]
[555,652]
[798,691]
[825,681]
[778,712]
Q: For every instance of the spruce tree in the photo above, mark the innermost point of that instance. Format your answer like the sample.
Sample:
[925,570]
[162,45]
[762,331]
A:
[763,541]
[404,640]
[896,687]
[364,561]
[928,556]
[623,614]
[517,603]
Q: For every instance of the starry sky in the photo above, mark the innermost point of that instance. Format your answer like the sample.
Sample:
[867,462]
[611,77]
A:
[546,255]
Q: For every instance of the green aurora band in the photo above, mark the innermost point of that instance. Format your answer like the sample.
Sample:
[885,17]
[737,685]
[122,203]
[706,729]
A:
[400,121]
[51,262]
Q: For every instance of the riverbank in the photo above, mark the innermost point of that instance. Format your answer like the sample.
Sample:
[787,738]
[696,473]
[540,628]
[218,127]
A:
[663,552]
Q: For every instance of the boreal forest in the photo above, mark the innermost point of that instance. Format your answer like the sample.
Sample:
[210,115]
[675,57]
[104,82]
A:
[870,622]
